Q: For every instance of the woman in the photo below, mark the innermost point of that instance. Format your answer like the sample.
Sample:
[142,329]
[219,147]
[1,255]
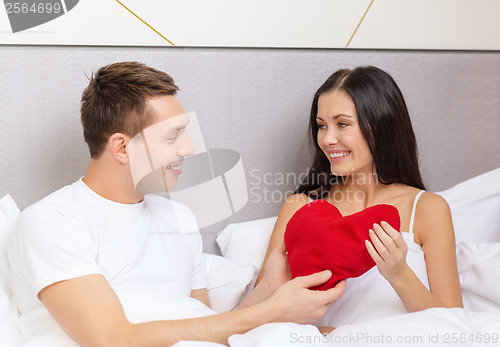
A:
[366,154]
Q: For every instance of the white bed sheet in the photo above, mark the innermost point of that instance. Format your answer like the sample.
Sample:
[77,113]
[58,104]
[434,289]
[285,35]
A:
[478,324]
[432,327]
[478,257]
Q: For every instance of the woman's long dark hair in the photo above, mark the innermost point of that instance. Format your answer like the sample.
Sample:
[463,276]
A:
[385,124]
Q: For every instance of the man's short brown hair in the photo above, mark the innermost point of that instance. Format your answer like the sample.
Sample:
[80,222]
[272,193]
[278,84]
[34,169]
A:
[116,101]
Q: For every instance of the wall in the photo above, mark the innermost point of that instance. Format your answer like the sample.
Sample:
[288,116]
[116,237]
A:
[255,101]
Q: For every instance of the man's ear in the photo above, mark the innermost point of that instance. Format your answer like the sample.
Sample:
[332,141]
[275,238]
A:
[117,144]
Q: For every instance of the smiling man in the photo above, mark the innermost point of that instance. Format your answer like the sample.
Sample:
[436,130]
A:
[97,263]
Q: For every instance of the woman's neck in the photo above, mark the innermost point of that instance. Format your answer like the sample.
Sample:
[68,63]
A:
[359,190]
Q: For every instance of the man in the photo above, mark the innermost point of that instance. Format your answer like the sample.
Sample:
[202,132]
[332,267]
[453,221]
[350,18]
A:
[112,267]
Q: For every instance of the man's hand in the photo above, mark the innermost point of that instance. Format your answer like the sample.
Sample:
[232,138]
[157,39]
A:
[296,303]
[292,300]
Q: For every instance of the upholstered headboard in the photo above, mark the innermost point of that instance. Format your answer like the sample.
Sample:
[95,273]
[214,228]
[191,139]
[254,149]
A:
[253,101]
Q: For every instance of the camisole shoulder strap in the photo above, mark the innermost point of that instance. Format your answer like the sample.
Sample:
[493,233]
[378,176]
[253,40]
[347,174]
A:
[412,218]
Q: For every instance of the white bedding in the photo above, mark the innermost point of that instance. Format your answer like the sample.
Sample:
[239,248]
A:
[479,273]
[432,327]
[478,324]
[475,206]
[243,246]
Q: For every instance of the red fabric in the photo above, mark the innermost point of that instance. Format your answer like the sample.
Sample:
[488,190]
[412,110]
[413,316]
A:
[319,238]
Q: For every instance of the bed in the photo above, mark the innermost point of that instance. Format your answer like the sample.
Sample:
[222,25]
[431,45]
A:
[475,206]
[267,94]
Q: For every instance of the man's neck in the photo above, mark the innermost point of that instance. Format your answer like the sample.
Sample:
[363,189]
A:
[111,181]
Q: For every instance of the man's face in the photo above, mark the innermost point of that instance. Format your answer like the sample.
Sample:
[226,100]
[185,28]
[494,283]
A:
[165,144]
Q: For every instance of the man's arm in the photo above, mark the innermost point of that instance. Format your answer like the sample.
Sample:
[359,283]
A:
[90,312]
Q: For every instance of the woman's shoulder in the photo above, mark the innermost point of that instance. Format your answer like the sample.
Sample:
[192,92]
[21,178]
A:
[292,204]
[432,215]
[299,199]
[432,202]
[427,200]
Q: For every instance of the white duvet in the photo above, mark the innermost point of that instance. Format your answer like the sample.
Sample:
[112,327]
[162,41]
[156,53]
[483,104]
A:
[432,327]
[475,206]
[478,324]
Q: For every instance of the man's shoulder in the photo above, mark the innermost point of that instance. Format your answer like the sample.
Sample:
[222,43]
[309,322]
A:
[60,200]
[55,218]
[57,207]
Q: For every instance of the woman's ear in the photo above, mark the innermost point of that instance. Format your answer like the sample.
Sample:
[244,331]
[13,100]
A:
[117,144]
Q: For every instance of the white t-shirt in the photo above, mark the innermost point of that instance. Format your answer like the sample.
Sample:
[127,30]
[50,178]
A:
[149,252]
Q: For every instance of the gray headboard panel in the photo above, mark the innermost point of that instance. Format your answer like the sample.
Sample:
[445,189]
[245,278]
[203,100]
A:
[255,101]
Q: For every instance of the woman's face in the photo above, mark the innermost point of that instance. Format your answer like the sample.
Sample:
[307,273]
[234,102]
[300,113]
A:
[339,135]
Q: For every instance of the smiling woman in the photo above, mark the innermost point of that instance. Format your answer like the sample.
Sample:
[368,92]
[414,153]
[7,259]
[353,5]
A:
[339,135]
[366,155]
[367,109]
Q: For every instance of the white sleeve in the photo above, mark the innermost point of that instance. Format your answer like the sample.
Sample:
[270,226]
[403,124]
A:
[189,227]
[49,246]
[199,274]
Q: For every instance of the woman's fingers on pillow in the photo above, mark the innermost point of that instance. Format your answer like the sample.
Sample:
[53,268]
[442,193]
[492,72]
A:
[394,234]
[373,252]
[384,237]
[380,247]
[397,246]
[387,248]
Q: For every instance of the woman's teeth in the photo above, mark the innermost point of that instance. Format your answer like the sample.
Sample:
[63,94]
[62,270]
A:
[338,155]
[178,167]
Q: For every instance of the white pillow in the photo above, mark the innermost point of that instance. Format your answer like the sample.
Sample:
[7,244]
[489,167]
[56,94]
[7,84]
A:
[227,282]
[475,208]
[479,271]
[9,335]
[246,242]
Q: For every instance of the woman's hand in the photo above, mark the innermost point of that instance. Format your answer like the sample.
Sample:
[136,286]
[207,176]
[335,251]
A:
[388,249]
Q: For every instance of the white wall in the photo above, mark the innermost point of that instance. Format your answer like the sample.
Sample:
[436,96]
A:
[255,101]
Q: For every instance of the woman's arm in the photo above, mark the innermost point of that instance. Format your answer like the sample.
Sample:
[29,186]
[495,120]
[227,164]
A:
[434,227]
[290,206]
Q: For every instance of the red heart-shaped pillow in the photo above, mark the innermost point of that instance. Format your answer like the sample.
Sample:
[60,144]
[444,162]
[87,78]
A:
[318,238]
